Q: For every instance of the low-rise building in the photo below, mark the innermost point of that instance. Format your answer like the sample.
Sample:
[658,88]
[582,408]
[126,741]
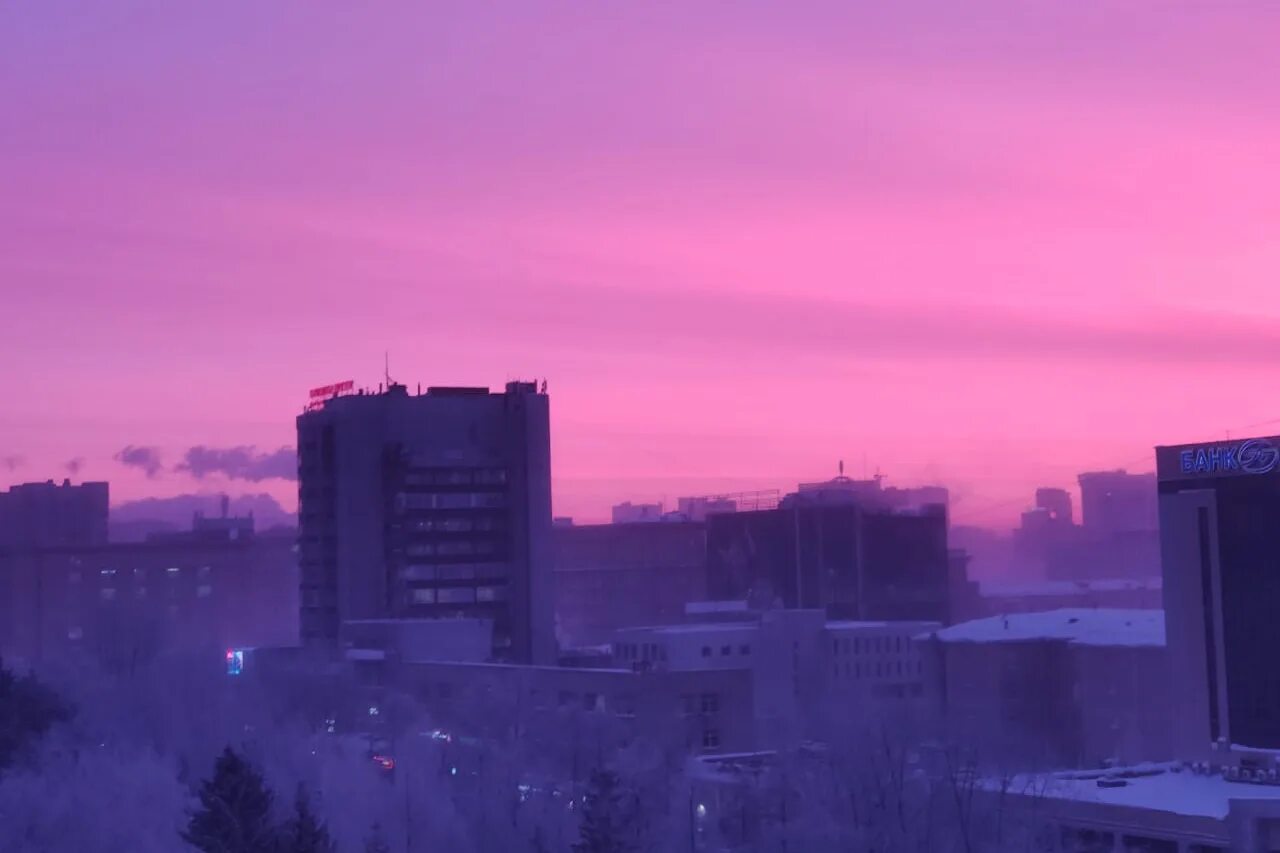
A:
[1064,688]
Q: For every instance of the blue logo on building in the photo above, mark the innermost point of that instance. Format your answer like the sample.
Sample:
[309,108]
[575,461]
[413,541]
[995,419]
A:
[1255,456]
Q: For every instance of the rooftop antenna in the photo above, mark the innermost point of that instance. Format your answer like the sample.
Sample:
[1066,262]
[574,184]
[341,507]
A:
[386,367]
[841,467]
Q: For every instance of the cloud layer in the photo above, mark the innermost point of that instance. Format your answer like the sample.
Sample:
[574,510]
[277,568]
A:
[240,463]
[146,459]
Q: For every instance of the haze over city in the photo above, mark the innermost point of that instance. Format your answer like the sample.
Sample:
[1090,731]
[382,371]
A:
[984,245]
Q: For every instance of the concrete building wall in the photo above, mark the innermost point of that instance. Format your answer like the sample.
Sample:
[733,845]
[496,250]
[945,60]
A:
[430,505]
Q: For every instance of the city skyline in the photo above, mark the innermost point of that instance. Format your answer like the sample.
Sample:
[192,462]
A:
[990,248]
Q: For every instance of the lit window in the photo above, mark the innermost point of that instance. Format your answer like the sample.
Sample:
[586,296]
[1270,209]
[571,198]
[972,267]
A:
[424,596]
[106,573]
[173,571]
[235,662]
[491,593]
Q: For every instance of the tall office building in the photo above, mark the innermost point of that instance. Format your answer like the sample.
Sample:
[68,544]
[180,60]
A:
[45,515]
[1219,517]
[428,505]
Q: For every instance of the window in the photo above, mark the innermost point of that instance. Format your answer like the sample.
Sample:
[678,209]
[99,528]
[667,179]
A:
[626,705]
[140,591]
[456,595]
[173,571]
[565,698]
[710,703]
[424,596]
[591,701]
[725,651]
[706,651]
[744,649]
[108,593]
[73,576]
[204,572]
[899,667]
[204,590]
[835,647]
[710,738]
[491,593]
[690,703]
[106,573]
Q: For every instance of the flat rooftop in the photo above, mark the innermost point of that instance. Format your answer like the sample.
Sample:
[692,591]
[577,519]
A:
[1167,788]
[1100,626]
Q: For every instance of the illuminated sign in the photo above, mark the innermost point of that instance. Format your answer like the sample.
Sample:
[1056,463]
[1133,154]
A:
[328,392]
[335,390]
[1255,456]
[235,661]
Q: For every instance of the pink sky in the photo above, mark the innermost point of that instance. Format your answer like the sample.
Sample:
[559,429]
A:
[986,244]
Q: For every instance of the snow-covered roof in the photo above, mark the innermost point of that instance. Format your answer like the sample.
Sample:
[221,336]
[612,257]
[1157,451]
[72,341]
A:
[1033,589]
[1162,788]
[1101,626]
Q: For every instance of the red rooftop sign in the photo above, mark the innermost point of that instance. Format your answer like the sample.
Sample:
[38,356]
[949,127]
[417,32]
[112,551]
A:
[336,390]
[327,392]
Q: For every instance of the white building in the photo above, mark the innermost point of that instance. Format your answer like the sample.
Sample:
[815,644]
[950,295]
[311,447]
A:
[800,664]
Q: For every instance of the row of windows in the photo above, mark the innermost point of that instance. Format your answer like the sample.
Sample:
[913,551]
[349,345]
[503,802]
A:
[110,593]
[450,500]
[455,572]
[456,477]
[75,575]
[880,669]
[726,650]
[642,651]
[452,549]
[458,595]
[456,524]
[870,645]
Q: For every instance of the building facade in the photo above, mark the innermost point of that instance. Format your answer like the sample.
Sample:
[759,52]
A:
[429,505]
[611,576]
[193,592]
[1219,505]
[855,562]
[43,515]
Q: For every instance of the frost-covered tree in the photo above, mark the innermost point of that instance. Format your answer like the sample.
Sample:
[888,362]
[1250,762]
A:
[28,709]
[303,832]
[608,816]
[235,810]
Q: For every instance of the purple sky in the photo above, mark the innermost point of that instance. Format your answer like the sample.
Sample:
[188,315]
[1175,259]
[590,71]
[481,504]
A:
[990,244]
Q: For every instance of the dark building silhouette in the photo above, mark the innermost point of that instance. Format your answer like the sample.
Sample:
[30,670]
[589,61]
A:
[856,562]
[612,576]
[39,515]
[199,591]
[1220,540]
[1117,502]
[429,505]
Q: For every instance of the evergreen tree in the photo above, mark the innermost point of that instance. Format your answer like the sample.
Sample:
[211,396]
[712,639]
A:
[235,810]
[608,817]
[28,709]
[376,842]
[303,833]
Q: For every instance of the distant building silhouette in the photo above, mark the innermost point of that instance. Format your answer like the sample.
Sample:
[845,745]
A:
[857,562]
[629,513]
[429,505]
[611,576]
[40,515]
[1113,502]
